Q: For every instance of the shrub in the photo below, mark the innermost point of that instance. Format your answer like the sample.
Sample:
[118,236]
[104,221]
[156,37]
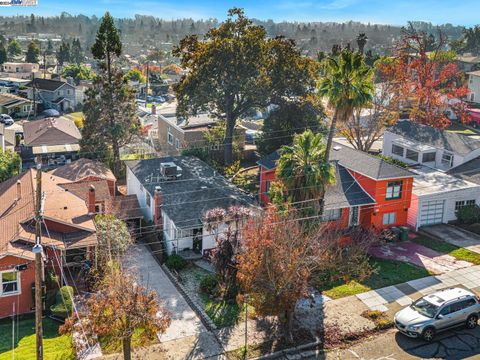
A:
[468,214]
[209,284]
[63,302]
[393,161]
[373,314]
[384,324]
[176,262]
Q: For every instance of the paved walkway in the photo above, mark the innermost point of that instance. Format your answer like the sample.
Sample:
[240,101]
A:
[185,321]
[455,236]
[419,255]
[393,297]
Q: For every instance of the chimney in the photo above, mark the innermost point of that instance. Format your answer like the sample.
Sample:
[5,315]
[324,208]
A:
[91,200]
[157,203]
[19,190]
[154,110]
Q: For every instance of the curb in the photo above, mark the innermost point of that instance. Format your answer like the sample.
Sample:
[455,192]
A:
[297,352]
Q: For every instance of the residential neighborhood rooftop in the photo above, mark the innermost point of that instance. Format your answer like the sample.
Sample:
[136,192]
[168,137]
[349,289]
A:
[46,84]
[455,141]
[51,131]
[468,171]
[198,189]
[432,181]
[82,169]
[358,161]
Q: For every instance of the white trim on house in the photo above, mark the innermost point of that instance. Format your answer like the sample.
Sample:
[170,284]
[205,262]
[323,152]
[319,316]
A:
[18,281]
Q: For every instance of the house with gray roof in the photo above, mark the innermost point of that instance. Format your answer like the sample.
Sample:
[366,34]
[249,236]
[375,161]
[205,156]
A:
[446,166]
[421,144]
[175,192]
[368,190]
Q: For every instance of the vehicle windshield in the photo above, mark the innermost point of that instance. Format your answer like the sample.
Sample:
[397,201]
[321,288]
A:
[425,308]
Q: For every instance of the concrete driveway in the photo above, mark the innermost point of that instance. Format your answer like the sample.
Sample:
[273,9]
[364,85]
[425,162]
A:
[455,236]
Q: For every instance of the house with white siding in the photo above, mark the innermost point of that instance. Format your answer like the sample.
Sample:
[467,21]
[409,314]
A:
[176,192]
[435,155]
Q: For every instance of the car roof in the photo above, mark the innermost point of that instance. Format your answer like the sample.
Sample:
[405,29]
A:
[443,296]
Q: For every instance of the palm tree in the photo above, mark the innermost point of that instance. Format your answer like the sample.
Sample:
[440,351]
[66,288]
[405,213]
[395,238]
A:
[347,85]
[302,167]
[361,42]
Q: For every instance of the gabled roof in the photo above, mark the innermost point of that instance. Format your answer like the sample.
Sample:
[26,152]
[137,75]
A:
[456,142]
[200,188]
[17,210]
[346,192]
[51,131]
[84,168]
[355,160]
[46,84]
[9,100]
[469,171]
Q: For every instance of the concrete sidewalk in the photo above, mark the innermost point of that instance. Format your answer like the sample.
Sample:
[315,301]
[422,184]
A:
[400,295]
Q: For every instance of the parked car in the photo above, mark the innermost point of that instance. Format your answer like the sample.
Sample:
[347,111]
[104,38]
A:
[51,113]
[159,99]
[438,312]
[6,119]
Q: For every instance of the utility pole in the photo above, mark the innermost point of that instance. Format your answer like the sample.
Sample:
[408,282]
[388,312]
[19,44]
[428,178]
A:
[37,250]
[146,83]
[34,97]
[44,64]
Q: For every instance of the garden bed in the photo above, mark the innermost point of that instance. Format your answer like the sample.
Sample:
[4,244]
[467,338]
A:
[221,312]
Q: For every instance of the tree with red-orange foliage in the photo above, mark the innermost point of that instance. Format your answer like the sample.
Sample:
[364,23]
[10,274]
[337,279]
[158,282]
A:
[426,83]
[119,309]
[279,258]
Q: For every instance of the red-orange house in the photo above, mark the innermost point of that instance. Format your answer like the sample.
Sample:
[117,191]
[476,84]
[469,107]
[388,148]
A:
[369,191]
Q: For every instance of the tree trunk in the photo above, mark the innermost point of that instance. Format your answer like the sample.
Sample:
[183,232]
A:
[116,158]
[228,141]
[289,326]
[127,348]
[331,133]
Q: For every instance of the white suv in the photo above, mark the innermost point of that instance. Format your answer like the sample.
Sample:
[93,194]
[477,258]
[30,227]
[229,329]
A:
[437,312]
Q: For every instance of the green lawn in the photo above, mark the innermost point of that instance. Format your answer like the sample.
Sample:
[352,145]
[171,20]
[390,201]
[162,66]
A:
[458,128]
[222,313]
[115,346]
[446,248]
[55,346]
[388,272]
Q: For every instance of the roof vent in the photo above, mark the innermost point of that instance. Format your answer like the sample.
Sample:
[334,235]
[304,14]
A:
[169,170]
[337,147]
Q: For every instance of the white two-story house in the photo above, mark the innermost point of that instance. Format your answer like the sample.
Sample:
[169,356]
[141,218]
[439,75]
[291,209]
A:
[474,86]
[435,155]
[53,94]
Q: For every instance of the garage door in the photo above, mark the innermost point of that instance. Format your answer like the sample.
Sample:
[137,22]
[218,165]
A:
[431,212]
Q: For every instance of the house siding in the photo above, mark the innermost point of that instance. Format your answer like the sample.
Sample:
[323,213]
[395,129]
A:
[23,301]
[134,187]
[474,87]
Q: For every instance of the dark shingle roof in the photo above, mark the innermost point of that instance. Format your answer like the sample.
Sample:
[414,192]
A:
[200,188]
[346,192]
[355,160]
[469,171]
[46,84]
[459,143]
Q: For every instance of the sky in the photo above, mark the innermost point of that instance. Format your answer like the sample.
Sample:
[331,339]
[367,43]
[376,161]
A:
[395,12]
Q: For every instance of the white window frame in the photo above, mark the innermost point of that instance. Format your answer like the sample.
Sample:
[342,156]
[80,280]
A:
[429,153]
[409,156]
[170,138]
[400,147]
[446,154]
[394,190]
[18,281]
[389,218]
[463,203]
[332,215]
[177,143]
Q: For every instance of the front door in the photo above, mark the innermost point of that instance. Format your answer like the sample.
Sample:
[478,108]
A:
[197,240]
[354,218]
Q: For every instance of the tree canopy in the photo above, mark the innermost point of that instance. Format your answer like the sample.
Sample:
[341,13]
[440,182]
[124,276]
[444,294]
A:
[236,68]
[14,48]
[78,72]
[10,164]
[33,51]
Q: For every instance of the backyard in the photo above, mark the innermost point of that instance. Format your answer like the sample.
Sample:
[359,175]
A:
[55,346]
